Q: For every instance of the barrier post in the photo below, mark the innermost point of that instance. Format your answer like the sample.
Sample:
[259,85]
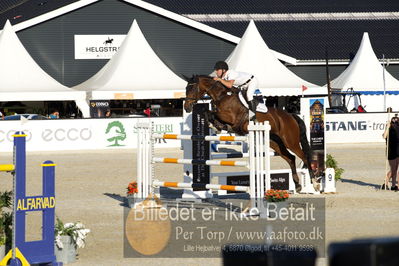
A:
[144,157]
[259,161]
[329,181]
[31,252]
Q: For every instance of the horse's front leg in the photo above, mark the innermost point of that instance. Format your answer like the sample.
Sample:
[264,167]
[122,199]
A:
[214,122]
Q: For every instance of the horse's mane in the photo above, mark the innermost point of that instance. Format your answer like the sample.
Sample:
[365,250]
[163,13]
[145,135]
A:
[196,77]
[203,76]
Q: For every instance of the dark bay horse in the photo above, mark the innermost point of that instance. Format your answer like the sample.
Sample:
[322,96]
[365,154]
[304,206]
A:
[288,131]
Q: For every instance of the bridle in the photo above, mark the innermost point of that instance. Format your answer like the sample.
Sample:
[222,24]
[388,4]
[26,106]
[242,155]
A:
[197,92]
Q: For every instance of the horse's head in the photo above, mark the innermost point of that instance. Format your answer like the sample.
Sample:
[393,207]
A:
[196,88]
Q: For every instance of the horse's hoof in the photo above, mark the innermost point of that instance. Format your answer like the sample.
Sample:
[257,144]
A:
[215,129]
[316,185]
[298,188]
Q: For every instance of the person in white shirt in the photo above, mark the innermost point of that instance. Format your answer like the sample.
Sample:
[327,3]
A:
[231,78]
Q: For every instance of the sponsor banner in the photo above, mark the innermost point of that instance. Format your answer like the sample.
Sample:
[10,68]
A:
[113,133]
[98,108]
[317,142]
[86,134]
[356,127]
[280,181]
[350,127]
[97,46]
[200,148]
[313,114]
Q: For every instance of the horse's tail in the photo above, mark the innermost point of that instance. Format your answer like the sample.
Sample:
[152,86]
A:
[303,138]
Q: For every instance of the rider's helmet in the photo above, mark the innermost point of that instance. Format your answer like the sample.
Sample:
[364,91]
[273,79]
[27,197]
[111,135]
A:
[221,65]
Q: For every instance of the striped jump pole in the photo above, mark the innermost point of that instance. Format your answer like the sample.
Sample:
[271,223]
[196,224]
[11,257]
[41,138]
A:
[216,145]
[193,161]
[200,186]
[235,155]
[193,137]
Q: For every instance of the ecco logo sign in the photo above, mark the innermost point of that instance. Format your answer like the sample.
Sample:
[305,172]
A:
[62,134]
[9,135]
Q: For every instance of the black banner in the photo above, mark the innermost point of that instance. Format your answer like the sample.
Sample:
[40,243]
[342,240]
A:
[280,181]
[201,173]
[239,180]
[99,108]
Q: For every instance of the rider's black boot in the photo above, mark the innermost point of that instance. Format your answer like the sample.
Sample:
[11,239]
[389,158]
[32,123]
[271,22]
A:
[252,106]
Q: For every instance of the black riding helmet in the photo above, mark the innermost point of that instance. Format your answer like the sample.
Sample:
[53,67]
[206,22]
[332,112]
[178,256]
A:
[221,65]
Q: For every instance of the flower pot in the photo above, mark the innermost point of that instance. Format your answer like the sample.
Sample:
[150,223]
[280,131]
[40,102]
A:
[68,253]
[131,200]
[2,251]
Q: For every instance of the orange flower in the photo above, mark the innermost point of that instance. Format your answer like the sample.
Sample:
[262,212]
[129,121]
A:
[275,195]
[132,188]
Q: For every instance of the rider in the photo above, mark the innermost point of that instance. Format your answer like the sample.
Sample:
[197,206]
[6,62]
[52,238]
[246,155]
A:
[241,80]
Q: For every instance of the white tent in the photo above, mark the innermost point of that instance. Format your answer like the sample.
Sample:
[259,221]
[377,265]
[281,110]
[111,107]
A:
[365,74]
[22,79]
[252,55]
[134,72]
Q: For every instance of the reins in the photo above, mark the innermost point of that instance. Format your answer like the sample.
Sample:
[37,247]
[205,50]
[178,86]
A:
[197,91]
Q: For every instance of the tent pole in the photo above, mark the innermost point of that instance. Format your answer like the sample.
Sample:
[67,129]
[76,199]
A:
[328,80]
[383,78]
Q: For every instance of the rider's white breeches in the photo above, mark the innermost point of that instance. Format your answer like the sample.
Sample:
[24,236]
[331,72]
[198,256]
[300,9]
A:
[252,86]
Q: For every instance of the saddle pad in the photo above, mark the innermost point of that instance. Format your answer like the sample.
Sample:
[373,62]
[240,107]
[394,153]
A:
[262,108]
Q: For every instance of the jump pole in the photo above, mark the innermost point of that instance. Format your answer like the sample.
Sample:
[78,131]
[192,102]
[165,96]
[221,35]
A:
[202,186]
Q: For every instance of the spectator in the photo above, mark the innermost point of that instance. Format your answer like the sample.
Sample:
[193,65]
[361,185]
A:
[391,134]
[54,115]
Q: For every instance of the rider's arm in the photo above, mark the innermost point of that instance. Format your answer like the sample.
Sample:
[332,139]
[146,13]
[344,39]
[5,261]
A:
[386,131]
[227,83]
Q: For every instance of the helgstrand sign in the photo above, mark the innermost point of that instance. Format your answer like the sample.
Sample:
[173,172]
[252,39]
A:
[97,46]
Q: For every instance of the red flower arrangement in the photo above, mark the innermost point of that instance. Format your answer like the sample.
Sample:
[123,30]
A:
[132,188]
[274,195]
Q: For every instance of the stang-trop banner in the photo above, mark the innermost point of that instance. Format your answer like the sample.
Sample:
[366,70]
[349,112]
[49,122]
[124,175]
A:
[85,134]
[356,127]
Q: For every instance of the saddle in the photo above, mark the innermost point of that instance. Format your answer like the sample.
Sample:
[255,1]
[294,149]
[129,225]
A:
[244,100]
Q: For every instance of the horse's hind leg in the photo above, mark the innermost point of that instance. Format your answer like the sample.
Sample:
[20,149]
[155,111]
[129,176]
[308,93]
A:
[304,152]
[295,148]
[277,145]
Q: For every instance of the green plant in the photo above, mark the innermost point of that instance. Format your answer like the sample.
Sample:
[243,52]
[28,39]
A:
[2,239]
[332,163]
[76,231]
[5,218]
[5,200]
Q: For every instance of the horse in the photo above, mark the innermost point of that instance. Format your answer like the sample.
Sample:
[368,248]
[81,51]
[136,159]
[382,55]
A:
[288,131]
